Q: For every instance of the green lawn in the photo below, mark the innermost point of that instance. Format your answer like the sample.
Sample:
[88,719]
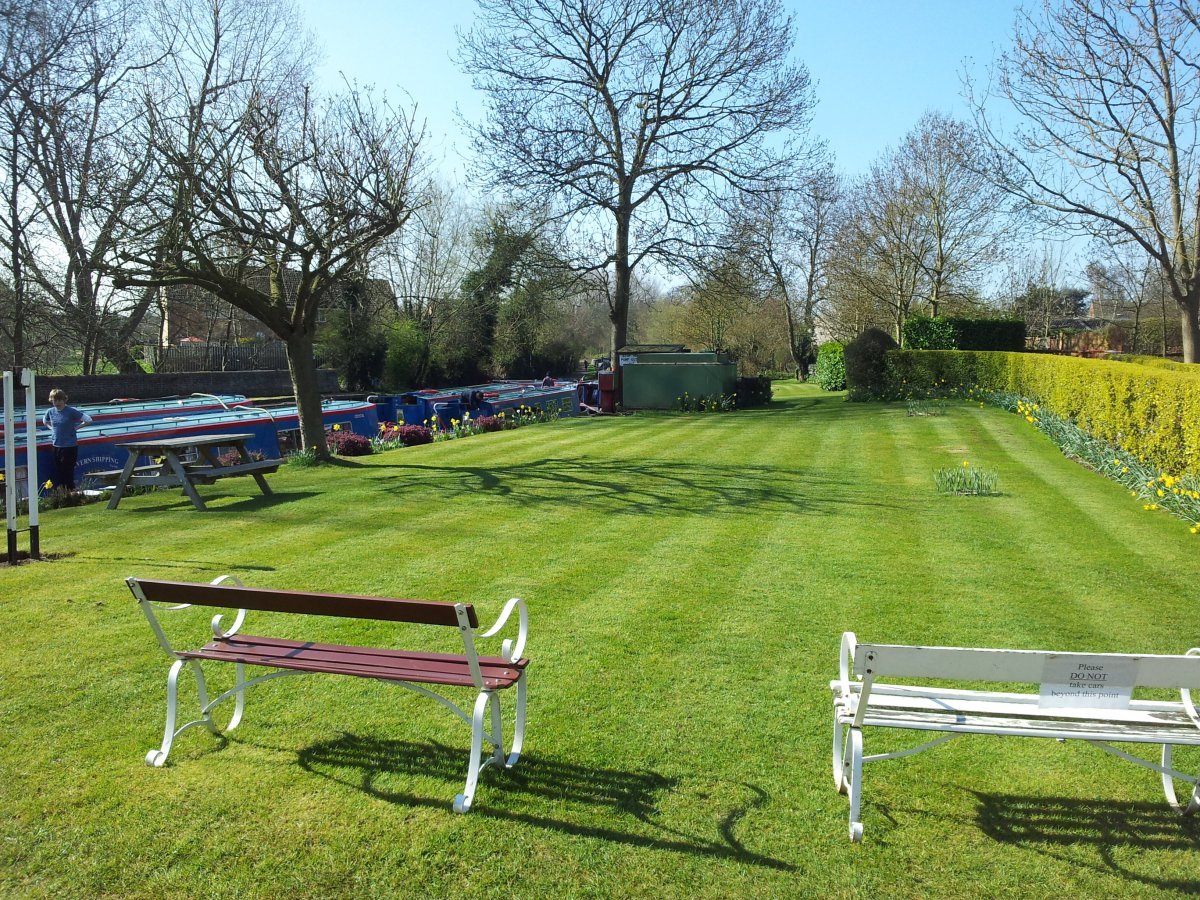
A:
[688,579]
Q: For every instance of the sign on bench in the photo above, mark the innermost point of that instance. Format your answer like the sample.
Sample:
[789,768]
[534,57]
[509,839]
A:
[487,676]
[1078,696]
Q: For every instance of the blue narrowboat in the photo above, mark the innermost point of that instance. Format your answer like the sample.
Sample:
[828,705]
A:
[447,404]
[116,411]
[275,430]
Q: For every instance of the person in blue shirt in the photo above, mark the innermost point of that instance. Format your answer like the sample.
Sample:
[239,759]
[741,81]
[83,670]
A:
[64,421]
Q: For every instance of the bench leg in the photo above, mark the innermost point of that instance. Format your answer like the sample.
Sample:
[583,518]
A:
[1168,781]
[518,726]
[839,759]
[852,776]
[462,803]
[158,757]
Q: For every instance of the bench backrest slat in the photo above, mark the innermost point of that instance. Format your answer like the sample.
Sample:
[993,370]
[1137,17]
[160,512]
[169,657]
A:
[1023,666]
[425,612]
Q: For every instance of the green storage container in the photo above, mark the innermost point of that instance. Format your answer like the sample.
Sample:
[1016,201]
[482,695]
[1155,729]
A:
[658,380]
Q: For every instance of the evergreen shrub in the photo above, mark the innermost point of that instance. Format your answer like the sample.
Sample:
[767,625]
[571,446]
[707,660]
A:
[830,370]
[866,365]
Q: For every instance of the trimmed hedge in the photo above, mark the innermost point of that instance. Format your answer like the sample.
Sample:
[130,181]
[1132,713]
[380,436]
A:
[1152,412]
[830,370]
[956,333]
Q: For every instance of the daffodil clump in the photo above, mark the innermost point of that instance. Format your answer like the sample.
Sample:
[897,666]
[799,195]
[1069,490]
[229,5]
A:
[1176,494]
[966,480]
[706,403]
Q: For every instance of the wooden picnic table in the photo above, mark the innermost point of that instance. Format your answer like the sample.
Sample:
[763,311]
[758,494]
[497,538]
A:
[185,462]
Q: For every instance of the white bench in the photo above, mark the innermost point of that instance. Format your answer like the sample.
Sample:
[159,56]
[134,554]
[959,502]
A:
[1080,696]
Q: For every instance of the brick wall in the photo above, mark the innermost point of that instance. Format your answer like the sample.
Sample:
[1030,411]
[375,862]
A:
[102,388]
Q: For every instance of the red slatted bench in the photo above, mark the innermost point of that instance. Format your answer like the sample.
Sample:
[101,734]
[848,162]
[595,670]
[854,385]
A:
[487,675]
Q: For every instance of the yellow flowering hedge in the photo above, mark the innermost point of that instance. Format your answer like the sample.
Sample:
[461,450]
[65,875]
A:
[1152,412]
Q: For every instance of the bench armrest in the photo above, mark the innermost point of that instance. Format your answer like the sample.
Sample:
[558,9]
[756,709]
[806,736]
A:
[508,650]
[1186,695]
[241,613]
[149,608]
[846,663]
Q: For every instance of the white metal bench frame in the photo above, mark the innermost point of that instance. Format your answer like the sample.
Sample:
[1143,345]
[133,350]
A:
[486,702]
[860,701]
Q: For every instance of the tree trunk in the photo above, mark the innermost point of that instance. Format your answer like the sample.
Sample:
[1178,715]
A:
[303,369]
[619,312]
[1190,320]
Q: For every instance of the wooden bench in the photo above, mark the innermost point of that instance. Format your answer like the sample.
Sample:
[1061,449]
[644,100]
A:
[1080,696]
[488,676]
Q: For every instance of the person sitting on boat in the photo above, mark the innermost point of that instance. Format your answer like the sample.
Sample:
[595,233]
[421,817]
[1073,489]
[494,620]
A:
[64,421]
[547,381]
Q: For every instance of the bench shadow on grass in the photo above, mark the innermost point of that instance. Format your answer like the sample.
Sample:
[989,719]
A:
[367,763]
[174,500]
[1052,825]
[645,486]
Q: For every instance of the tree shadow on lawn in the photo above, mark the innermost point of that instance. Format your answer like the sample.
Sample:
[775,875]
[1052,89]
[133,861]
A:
[366,764]
[1045,824]
[647,486]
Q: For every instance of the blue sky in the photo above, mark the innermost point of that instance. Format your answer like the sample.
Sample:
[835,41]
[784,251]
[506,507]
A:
[877,64]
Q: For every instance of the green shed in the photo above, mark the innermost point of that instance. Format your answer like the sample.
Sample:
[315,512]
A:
[655,377]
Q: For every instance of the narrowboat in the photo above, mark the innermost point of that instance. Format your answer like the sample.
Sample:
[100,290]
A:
[275,431]
[116,411]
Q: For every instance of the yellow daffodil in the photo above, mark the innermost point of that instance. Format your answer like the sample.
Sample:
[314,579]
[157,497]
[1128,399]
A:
[337,427]
[47,484]
[1160,492]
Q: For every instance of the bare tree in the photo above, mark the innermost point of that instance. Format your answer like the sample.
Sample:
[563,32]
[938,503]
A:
[1108,140]
[426,263]
[632,117]
[266,197]
[962,215]
[882,246]
[45,46]
[79,116]
[790,231]
[1125,285]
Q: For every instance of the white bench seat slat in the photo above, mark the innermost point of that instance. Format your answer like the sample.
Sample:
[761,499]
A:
[988,703]
[1152,728]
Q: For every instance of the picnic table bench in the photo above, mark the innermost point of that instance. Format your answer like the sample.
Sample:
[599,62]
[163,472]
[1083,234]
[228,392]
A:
[1081,696]
[487,676]
[185,462]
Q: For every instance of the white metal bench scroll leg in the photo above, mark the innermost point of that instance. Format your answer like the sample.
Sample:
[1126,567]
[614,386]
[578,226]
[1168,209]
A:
[462,803]
[853,778]
[852,769]
[839,729]
[518,725]
[158,757]
[1168,781]
[513,651]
